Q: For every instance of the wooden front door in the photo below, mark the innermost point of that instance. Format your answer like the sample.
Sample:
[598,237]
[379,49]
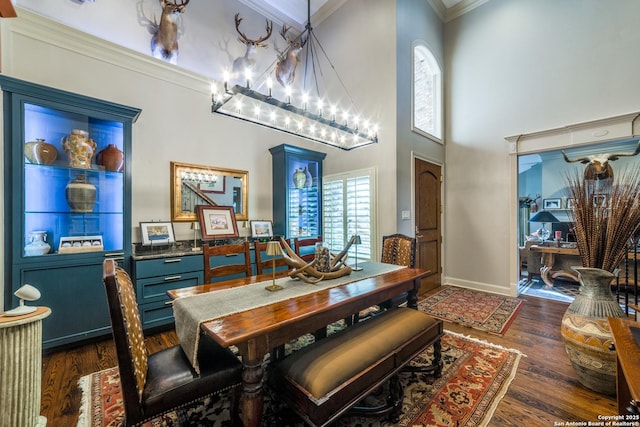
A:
[428,222]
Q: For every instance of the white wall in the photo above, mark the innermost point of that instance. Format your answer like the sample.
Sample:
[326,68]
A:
[176,123]
[516,67]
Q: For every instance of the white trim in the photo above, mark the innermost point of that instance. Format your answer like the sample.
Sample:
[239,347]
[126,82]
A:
[37,27]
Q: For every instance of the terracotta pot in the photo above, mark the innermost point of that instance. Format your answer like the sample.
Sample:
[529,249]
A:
[585,330]
[111,158]
[81,195]
[79,148]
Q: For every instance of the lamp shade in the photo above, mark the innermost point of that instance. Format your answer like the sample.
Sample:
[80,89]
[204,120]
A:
[273,248]
[357,240]
[544,216]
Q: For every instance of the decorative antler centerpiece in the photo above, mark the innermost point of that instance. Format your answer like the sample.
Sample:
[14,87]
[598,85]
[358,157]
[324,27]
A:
[308,272]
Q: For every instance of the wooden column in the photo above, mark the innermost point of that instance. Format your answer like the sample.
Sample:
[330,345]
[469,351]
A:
[21,364]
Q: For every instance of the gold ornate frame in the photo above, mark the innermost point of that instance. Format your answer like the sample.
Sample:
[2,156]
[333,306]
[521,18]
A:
[186,193]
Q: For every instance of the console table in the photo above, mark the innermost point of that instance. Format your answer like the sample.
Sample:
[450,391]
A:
[21,361]
[550,255]
[628,365]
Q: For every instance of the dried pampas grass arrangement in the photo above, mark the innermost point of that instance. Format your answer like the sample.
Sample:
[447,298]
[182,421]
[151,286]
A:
[605,215]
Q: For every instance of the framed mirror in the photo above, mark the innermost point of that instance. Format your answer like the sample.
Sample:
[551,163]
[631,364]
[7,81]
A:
[193,185]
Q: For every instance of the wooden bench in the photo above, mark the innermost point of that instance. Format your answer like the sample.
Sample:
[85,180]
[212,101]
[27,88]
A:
[328,378]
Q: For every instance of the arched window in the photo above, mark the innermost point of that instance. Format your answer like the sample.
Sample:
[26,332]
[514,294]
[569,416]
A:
[426,95]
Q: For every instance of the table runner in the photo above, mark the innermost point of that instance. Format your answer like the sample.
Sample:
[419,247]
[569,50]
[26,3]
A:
[192,311]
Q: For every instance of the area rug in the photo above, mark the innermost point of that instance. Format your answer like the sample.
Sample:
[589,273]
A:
[561,291]
[475,377]
[486,312]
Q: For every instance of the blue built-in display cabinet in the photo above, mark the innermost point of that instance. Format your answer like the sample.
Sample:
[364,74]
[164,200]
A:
[297,191]
[67,202]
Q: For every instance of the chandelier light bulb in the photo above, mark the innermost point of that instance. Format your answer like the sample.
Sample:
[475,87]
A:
[345,117]
[287,121]
[320,106]
[247,76]
[225,77]
[287,92]
[273,116]
[269,86]
[333,110]
[256,111]
[305,100]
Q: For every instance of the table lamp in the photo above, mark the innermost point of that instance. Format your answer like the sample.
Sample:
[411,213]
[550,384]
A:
[26,292]
[357,241]
[195,226]
[543,217]
[273,250]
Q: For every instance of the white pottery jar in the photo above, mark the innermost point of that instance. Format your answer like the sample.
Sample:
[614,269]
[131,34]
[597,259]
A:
[37,244]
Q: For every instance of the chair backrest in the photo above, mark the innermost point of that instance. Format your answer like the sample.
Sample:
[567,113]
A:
[399,249]
[300,243]
[264,262]
[127,335]
[226,269]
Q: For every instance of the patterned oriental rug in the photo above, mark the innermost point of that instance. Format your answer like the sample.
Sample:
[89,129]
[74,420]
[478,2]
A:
[483,311]
[475,377]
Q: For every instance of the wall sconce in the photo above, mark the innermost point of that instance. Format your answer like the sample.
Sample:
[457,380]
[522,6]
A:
[28,293]
[273,250]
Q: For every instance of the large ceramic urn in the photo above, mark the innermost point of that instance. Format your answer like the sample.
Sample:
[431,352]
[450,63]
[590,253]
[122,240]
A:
[81,194]
[79,148]
[585,330]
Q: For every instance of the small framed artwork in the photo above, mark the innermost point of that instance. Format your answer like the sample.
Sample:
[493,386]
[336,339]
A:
[157,233]
[552,204]
[600,200]
[217,186]
[217,222]
[571,203]
[261,229]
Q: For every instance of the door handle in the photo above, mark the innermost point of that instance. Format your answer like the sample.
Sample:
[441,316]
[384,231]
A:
[418,235]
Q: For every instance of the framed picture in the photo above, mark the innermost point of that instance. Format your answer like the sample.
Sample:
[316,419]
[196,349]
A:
[217,222]
[552,204]
[217,186]
[260,229]
[571,202]
[600,200]
[157,233]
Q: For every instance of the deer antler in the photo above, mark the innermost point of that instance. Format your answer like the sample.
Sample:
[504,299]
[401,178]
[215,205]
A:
[246,40]
[307,271]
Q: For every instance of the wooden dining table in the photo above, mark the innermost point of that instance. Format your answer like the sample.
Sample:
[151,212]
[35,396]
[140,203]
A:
[257,331]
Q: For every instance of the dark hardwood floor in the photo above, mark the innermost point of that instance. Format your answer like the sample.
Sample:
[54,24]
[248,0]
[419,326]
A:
[545,390]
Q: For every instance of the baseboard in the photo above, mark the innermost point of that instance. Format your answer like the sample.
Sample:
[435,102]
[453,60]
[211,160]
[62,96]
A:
[511,291]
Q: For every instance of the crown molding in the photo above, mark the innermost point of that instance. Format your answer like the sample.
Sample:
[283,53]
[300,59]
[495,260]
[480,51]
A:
[447,14]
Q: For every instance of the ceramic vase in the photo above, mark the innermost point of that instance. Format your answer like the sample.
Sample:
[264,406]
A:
[111,158]
[79,148]
[37,244]
[585,330]
[299,178]
[40,152]
[308,178]
[81,194]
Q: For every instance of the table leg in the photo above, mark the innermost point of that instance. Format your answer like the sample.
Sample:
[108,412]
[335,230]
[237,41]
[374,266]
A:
[412,295]
[252,400]
[546,261]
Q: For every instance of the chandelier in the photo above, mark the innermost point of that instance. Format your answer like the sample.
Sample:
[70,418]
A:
[295,112]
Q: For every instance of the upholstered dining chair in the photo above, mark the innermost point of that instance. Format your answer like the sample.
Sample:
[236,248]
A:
[228,267]
[265,265]
[153,384]
[299,244]
[399,249]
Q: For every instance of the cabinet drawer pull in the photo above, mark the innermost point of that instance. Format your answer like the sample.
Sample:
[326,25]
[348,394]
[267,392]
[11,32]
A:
[114,254]
[167,261]
[166,279]
[228,255]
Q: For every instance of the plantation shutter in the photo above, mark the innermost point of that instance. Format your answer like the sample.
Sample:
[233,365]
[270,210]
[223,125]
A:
[347,210]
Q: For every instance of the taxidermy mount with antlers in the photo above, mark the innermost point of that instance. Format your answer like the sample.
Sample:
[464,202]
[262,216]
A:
[288,60]
[164,43]
[598,167]
[248,61]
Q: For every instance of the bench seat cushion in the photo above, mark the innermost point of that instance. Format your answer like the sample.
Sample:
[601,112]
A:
[336,372]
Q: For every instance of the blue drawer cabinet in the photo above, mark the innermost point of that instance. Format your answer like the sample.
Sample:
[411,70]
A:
[154,277]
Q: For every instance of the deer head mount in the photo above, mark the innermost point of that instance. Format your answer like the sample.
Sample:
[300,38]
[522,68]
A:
[248,61]
[164,43]
[598,167]
[288,60]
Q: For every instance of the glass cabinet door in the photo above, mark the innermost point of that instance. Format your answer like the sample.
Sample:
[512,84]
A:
[303,209]
[74,187]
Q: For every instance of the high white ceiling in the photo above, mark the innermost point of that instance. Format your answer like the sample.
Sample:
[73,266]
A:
[295,12]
